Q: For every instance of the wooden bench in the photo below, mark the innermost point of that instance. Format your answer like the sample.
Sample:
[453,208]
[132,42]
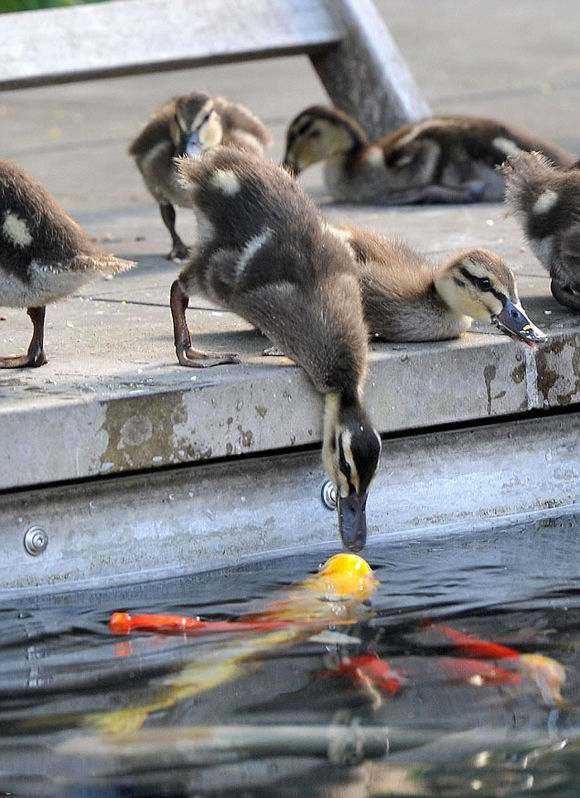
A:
[346,41]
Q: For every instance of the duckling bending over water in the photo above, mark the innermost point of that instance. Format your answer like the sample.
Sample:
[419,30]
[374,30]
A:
[547,202]
[440,159]
[408,298]
[44,255]
[189,125]
[265,253]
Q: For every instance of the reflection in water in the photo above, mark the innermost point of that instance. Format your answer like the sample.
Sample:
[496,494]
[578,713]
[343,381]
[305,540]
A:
[458,679]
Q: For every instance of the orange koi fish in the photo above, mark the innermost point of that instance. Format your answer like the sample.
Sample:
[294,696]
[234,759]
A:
[123,623]
[474,647]
[546,673]
[369,670]
[478,673]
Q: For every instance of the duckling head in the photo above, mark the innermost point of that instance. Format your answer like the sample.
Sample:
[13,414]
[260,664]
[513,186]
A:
[318,134]
[197,125]
[480,285]
[351,452]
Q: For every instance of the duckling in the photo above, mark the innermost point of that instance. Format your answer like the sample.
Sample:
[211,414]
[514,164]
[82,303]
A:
[408,298]
[265,254]
[440,159]
[189,125]
[547,202]
[44,255]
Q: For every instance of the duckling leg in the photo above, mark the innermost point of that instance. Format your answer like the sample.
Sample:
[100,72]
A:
[178,251]
[187,356]
[35,356]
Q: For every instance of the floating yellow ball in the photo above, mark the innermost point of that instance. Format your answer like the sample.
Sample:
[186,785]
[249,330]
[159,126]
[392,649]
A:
[345,575]
[346,565]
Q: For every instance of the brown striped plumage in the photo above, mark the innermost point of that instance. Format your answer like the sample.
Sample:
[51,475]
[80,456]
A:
[439,159]
[407,297]
[214,121]
[546,200]
[265,253]
[44,254]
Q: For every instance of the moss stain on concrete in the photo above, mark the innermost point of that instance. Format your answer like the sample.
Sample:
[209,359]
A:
[555,380]
[140,433]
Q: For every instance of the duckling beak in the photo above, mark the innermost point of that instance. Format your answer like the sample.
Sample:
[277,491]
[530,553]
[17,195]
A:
[514,322]
[193,146]
[352,521]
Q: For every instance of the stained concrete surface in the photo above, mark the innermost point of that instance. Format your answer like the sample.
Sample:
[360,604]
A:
[113,341]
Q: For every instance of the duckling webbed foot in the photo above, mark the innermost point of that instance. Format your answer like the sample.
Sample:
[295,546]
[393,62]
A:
[273,351]
[35,356]
[178,251]
[202,359]
[186,354]
[472,191]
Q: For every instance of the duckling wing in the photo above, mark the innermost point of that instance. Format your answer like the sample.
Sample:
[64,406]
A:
[241,127]
[34,228]
[155,132]
[397,286]
[387,262]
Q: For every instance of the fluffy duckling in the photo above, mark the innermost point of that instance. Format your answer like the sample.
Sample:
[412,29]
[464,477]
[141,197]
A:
[265,253]
[189,125]
[440,159]
[44,255]
[547,202]
[408,298]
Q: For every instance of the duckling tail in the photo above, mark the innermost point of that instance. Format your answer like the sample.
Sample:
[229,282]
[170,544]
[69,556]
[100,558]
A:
[113,265]
[102,263]
[188,171]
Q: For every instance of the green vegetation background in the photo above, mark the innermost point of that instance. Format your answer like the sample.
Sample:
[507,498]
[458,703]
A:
[7,6]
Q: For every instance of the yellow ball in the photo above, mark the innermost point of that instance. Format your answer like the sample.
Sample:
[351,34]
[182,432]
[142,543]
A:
[347,576]
[346,565]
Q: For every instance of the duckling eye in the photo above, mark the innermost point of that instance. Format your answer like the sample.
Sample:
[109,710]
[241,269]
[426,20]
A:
[314,134]
[484,283]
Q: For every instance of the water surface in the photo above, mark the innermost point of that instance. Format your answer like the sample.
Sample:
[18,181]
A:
[451,733]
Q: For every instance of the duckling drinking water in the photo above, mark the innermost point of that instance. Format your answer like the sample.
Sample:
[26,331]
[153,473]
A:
[408,298]
[189,125]
[44,255]
[265,254]
[439,159]
[546,200]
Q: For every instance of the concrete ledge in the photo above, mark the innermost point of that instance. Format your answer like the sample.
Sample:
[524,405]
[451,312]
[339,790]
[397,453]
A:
[184,417]
[212,515]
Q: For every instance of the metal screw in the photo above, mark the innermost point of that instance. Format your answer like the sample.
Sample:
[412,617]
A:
[35,541]
[328,495]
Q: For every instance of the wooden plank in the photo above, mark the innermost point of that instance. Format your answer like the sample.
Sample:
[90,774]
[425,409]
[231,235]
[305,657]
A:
[366,75]
[129,36]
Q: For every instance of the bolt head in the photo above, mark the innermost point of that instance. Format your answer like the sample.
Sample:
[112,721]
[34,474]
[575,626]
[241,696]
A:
[328,495]
[35,541]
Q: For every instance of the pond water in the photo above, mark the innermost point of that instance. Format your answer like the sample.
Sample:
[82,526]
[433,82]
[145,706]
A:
[393,704]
